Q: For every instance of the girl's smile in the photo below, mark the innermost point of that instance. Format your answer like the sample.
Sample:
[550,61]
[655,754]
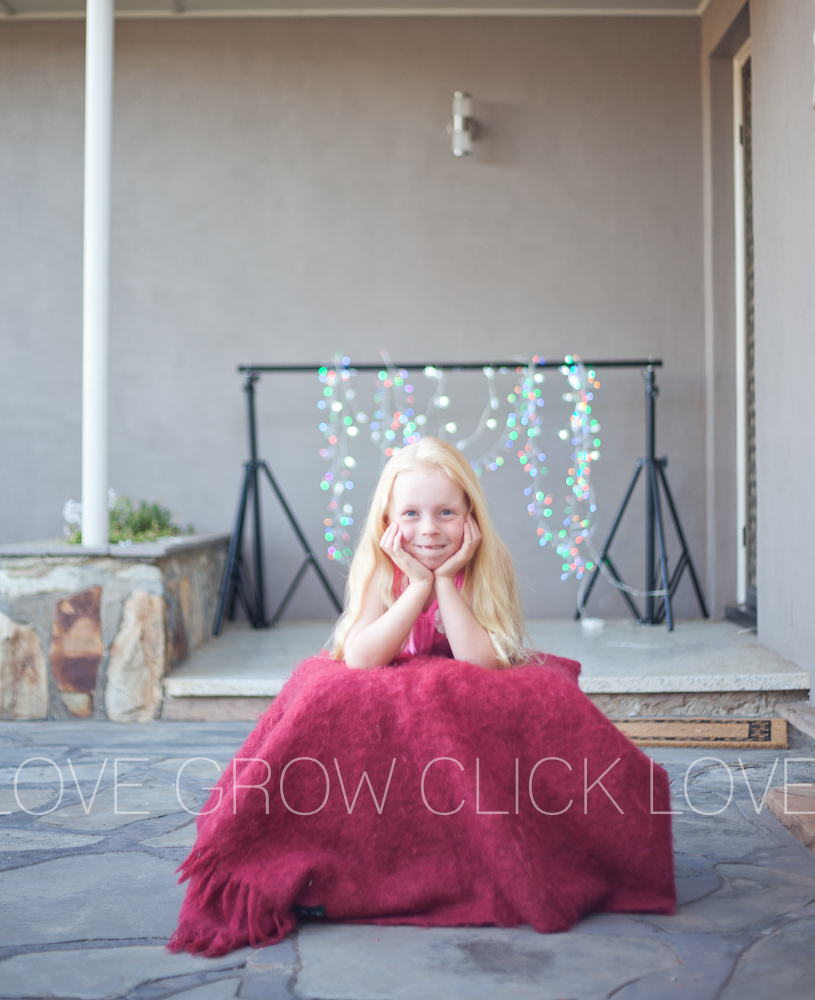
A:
[431,511]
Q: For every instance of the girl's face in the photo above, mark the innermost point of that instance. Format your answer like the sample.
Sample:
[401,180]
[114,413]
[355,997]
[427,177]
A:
[431,511]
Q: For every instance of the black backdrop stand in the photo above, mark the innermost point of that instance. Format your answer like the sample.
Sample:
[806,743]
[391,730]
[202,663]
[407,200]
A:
[657,606]
[239,584]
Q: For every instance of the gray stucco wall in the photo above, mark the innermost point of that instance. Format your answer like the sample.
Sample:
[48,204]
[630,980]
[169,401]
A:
[284,189]
[784,205]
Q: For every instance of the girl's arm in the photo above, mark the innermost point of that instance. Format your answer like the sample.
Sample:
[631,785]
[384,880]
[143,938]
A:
[468,639]
[379,634]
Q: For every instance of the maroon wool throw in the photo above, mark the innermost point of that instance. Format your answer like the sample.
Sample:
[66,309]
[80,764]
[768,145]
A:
[432,792]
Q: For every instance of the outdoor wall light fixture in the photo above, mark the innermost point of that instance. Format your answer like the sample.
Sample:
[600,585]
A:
[462,127]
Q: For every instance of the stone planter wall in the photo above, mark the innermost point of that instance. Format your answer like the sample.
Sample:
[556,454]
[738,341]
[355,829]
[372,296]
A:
[91,633]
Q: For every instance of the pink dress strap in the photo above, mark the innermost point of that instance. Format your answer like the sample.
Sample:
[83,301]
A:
[427,637]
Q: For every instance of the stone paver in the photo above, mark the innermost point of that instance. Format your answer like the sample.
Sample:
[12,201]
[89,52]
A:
[184,836]
[127,804]
[221,989]
[413,963]
[780,964]
[87,902]
[707,961]
[27,798]
[94,897]
[39,840]
[38,773]
[749,895]
[195,767]
[732,827]
[101,972]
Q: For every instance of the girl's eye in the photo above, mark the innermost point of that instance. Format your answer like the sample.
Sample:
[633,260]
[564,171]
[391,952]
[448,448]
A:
[447,511]
[410,513]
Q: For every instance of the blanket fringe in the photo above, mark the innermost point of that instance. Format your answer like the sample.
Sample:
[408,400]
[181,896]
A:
[222,913]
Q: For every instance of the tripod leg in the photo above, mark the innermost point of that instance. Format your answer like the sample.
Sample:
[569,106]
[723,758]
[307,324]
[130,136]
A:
[233,596]
[663,559]
[679,569]
[310,557]
[326,585]
[257,530]
[629,600]
[578,612]
[245,586]
[243,594]
[289,593]
[232,568]
[681,535]
[242,591]
[609,539]
[248,592]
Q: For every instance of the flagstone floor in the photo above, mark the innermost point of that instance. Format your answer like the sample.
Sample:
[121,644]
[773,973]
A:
[88,896]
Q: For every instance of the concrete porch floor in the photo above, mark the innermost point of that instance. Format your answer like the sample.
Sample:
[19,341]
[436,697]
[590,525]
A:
[702,667]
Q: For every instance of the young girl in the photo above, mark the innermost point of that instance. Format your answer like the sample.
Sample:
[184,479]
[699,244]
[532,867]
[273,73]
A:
[430,574]
[478,808]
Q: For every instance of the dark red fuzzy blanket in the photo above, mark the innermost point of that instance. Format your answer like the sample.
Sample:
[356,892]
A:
[432,792]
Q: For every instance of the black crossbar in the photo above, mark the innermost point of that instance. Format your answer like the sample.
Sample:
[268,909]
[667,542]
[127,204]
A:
[458,366]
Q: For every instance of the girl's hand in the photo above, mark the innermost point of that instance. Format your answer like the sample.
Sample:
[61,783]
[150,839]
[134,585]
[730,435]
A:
[391,545]
[469,543]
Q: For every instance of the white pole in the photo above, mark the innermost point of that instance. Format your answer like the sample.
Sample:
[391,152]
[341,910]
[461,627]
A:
[96,277]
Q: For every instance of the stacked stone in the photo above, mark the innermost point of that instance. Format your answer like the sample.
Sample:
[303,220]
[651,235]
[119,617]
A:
[84,635]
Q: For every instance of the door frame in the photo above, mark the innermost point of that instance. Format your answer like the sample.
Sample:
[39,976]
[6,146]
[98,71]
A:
[739,60]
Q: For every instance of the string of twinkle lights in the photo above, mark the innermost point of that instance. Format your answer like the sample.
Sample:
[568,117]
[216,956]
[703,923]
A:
[580,506]
[396,423]
[340,425]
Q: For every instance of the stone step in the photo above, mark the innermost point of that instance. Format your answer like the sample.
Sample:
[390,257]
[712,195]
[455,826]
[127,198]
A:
[234,706]
[794,807]
[224,708]
[800,714]
[701,668]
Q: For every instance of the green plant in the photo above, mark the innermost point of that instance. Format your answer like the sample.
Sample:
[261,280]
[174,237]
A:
[132,521]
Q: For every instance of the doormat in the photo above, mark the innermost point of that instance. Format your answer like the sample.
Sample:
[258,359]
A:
[726,733]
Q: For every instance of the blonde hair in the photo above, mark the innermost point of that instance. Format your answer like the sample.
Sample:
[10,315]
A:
[489,577]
